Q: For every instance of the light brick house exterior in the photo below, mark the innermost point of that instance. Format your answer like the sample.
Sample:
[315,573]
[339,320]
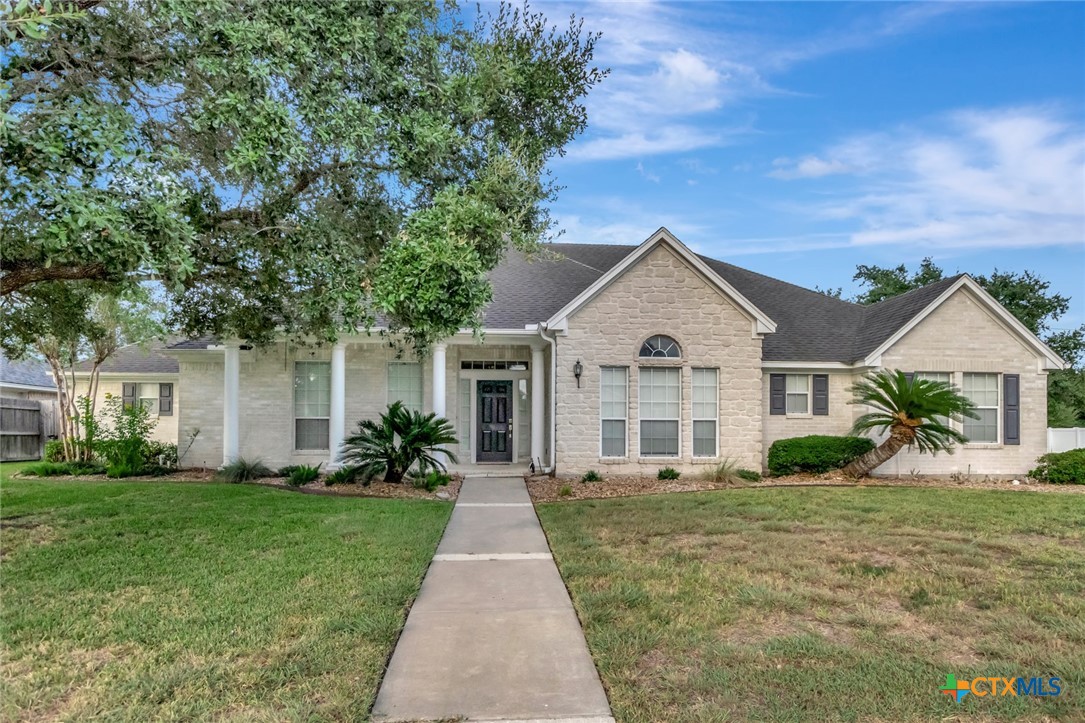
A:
[738,360]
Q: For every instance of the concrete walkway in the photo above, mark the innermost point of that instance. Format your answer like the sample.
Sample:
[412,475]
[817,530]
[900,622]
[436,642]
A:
[493,635]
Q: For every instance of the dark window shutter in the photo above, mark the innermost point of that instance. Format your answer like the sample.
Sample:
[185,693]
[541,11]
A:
[165,400]
[821,394]
[1011,408]
[909,376]
[128,394]
[777,393]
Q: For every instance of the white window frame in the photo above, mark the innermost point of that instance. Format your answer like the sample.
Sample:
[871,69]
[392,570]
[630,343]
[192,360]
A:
[391,398]
[294,409]
[809,395]
[997,407]
[693,414]
[651,370]
[625,408]
[152,407]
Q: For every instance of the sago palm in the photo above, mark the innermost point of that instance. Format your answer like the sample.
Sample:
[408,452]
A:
[915,411]
[398,441]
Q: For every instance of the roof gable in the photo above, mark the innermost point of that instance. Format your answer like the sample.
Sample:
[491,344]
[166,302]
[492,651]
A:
[761,322]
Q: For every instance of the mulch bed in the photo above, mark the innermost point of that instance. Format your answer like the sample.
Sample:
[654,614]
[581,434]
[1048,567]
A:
[375,489]
[546,489]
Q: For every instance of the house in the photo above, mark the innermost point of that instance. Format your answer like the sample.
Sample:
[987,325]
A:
[626,359]
[26,379]
[143,374]
[28,409]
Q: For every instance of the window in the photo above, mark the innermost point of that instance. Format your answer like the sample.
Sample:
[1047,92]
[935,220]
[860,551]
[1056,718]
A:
[937,377]
[982,390]
[464,426]
[148,397]
[660,410]
[798,394]
[312,404]
[662,347]
[405,384]
[705,403]
[613,396]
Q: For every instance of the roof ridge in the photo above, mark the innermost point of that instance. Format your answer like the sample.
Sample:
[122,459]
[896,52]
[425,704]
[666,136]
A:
[910,292]
[780,281]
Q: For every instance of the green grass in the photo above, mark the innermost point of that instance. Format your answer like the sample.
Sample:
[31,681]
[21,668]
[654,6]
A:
[159,601]
[827,604]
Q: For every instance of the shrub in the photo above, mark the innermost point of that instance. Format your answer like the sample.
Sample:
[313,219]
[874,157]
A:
[123,469]
[123,439]
[287,470]
[160,454]
[241,470]
[565,491]
[431,481]
[591,476]
[668,473]
[749,475]
[729,472]
[302,474]
[1065,468]
[342,476]
[815,454]
[47,469]
[398,442]
[54,451]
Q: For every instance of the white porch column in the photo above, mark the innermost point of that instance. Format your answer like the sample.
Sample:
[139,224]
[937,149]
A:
[231,403]
[439,379]
[538,402]
[337,422]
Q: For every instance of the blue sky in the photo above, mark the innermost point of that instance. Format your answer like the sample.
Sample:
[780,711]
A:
[801,139]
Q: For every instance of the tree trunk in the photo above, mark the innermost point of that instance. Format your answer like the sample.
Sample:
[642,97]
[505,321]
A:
[864,465]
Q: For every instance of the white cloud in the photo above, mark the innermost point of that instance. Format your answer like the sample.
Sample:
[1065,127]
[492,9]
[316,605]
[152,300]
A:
[647,175]
[1011,177]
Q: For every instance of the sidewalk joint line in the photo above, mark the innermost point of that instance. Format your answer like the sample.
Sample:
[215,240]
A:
[494,504]
[489,556]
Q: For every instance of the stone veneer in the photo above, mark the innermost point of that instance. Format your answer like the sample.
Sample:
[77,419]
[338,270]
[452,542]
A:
[659,295]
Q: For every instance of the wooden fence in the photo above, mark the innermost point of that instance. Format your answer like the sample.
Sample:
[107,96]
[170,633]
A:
[25,424]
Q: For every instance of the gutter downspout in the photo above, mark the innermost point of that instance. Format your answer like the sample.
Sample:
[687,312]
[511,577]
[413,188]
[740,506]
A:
[553,398]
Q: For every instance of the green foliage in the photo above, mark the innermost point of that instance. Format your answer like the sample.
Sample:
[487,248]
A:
[287,470]
[1066,398]
[60,469]
[241,470]
[916,408]
[1061,468]
[162,454]
[260,158]
[591,476]
[728,472]
[668,473]
[814,454]
[54,451]
[885,283]
[124,469]
[302,474]
[399,441]
[342,476]
[565,491]
[123,436]
[431,481]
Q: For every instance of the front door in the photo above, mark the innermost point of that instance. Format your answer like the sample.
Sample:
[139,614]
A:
[494,438]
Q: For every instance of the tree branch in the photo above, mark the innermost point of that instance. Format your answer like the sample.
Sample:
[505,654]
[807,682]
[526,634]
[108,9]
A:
[21,275]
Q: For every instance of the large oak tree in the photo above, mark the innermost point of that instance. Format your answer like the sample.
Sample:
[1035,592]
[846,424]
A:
[297,168]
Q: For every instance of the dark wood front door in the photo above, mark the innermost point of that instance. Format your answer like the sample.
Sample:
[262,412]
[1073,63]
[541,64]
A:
[494,426]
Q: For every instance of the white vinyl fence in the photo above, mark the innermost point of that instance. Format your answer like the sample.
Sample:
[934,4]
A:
[1062,440]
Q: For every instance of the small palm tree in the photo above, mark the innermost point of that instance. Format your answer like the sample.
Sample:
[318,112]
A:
[397,442]
[915,411]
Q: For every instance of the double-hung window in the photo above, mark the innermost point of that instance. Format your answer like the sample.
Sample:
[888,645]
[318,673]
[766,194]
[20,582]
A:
[982,391]
[660,411]
[405,384]
[798,394]
[312,404]
[705,412]
[613,414]
[937,377]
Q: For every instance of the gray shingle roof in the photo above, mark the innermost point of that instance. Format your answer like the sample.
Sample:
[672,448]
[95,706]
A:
[137,359]
[26,372]
[810,326]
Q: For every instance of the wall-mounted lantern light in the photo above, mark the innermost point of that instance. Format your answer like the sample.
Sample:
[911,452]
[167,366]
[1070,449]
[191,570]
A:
[578,369]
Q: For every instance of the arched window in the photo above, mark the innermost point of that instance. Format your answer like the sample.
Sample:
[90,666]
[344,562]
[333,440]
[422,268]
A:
[660,347]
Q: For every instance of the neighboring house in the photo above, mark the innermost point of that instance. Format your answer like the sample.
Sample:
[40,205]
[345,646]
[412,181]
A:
[26,379]
[139,374]
[627,359]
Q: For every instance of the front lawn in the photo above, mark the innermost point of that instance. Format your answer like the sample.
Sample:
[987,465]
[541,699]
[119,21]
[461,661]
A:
[144,600]
[827,604]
